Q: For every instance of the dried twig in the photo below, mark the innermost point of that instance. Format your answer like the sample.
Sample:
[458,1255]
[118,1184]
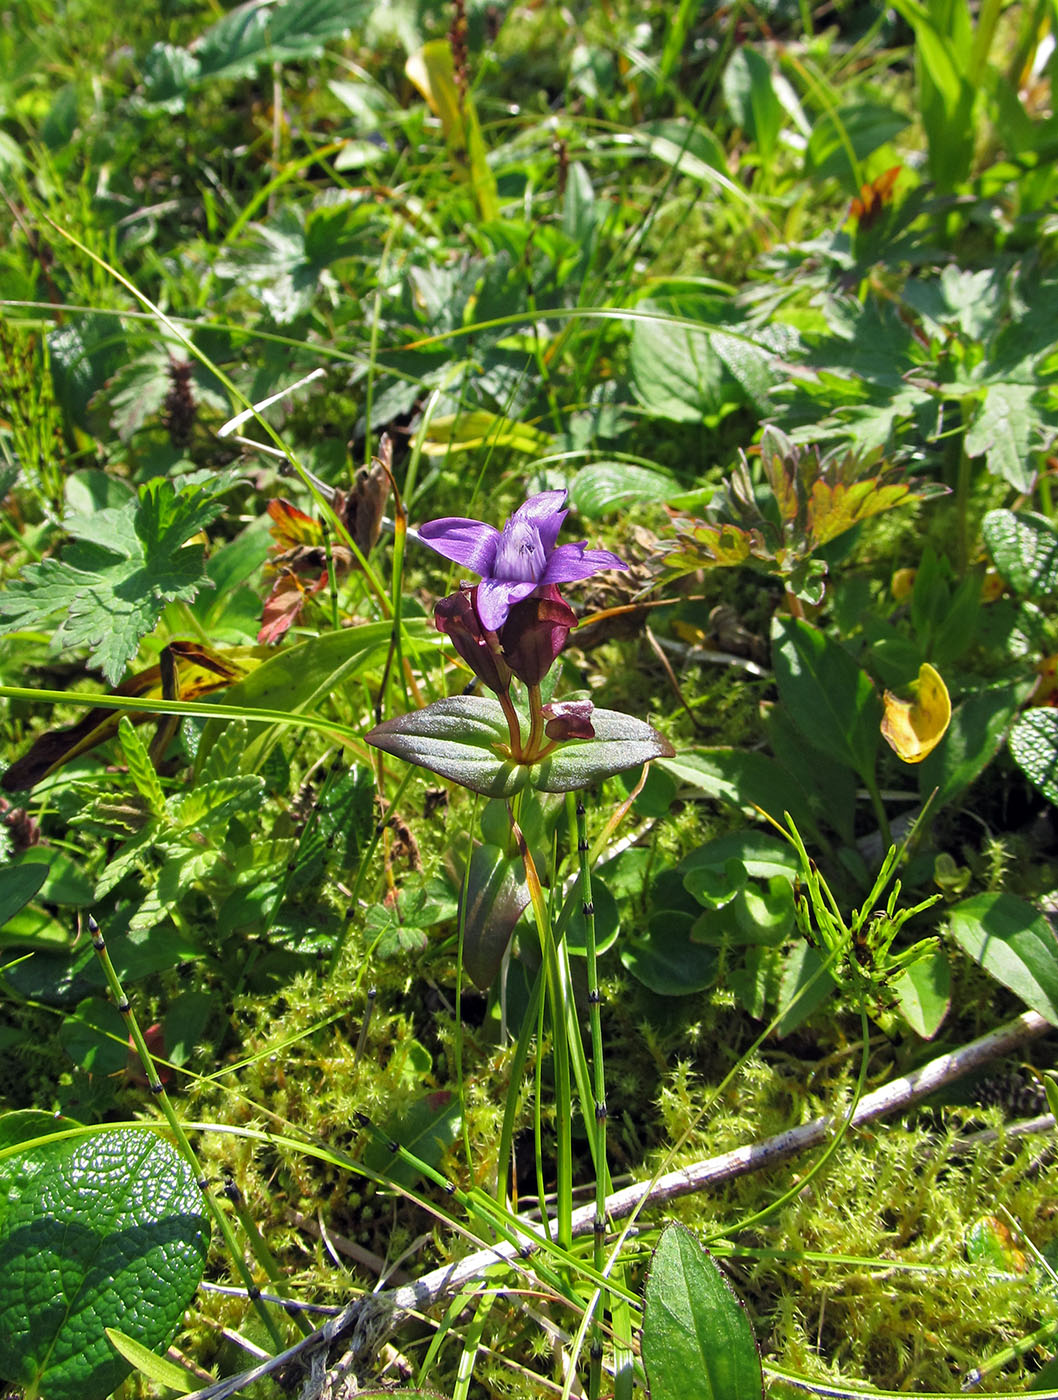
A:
[365,1323]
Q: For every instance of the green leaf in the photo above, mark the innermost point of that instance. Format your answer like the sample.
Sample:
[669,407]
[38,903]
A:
[1001,431]
[863,128]
[697,1337]
[745,779]
[973,737]
[98,1232]
[1033,745]
[1014,943]
[496,894]
[18,885]
[924,993]
[804,988]
[464,737]
[665,959]
[751,98]
[1024,548]
[95,1037]
[127,563]
[427,1130]
[155,1368]
[676,373]
[828,697]
[141,769]
[259,33]
[607,486]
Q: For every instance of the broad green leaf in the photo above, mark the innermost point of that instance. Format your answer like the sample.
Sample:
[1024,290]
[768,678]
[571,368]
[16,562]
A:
[923,993]
[751,99]
[426,1130]
[606,486]
[697,1339]
[848,134]
[1024,547]
[496,894]
[744,778]
[974,735]
[1001,431]
[112,585]
[18,885]
[465,738]
[466,432]
[259,33]
[1014,943]
[804,988]
[154,1367]
[95,1036]
[676,373]
[664,958]
[1033,745]
[98,1232]
[828,697]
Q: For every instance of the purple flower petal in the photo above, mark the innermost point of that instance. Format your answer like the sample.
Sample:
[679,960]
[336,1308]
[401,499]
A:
[573,561]
[495,598]
[466,542]
[546,511]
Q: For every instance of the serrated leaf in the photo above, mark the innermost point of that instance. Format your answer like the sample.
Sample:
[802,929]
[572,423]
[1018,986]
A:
[1024,548]
[141,769]
[1000,431]
[1033,744]
[1014,943]
[113,583]
[697,1339]
[98,1232]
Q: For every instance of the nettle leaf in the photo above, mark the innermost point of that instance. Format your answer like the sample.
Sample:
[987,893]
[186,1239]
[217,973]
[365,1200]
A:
[126,564]
[98,1232]
[1001,432]
[465,738]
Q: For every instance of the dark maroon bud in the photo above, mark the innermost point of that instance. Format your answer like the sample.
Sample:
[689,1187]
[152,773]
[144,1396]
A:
[456,616]
[568,719]
[535,632]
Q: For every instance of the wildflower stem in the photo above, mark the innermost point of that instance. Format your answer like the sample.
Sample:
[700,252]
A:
[602,1173]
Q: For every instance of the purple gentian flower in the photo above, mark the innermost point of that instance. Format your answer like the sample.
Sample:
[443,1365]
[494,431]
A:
[518,559]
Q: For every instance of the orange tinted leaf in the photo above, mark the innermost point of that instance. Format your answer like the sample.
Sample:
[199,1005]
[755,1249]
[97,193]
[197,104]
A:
[914,728]
[292,527]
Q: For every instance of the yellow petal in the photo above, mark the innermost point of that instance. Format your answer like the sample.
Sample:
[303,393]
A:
[914,728]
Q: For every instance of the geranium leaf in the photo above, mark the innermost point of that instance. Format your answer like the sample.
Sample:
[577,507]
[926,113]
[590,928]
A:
[125,565]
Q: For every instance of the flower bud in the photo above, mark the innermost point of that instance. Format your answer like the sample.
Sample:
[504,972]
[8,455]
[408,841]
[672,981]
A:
[568,719]
[535,632]
[456,616]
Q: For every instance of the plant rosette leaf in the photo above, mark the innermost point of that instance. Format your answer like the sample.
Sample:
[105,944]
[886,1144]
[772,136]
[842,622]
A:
[465,738]
[97,1232]
[697,1338]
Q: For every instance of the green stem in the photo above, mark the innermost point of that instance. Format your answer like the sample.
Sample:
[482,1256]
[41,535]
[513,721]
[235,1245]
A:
[602,1174]
[158,1090]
